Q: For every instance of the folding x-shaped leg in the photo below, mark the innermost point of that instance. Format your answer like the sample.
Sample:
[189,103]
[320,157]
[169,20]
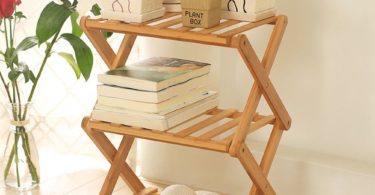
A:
[263,85]
[118,165]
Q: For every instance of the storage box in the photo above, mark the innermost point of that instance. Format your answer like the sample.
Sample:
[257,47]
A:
[200,13]
[247,10]
[132,11]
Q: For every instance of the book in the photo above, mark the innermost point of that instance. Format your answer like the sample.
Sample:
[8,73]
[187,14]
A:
[168,105]
[152,96]
[155,74]
[162,121]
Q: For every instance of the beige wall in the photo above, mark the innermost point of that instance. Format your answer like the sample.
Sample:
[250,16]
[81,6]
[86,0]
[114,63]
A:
[325,73]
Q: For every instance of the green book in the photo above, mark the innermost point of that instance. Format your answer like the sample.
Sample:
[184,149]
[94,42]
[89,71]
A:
[154,74]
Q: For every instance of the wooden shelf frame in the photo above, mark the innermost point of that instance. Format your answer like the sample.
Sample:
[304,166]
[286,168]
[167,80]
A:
[218,138]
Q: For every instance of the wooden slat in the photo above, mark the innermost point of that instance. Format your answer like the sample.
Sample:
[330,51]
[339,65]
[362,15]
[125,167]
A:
[206,123]
[148,191]
[168,23]
[159,33]
[159,136]
[221,129]
[183,29]
[208,112]
[255,126]
[248,26]
[219,27]
[166,15]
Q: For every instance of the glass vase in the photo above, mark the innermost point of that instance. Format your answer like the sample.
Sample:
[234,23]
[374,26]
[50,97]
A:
[21,160]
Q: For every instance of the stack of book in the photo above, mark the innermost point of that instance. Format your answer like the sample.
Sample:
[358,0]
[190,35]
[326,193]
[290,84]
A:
[172,5]
[157,93]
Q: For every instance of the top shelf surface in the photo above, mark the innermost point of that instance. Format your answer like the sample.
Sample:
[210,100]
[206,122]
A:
[170,27]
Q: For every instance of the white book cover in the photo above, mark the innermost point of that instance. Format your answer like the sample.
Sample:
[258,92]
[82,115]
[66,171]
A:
[162,121]
[152,96]
[168,105]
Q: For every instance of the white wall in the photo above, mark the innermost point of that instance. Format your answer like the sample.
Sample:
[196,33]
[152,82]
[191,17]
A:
[324,73]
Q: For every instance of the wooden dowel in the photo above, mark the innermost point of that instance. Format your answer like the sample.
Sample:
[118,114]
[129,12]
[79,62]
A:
[159,136]
[219,27]
[206,123]
[183,29]
[248,26]
[168,23]
[221,129]
[255,126]
[166,16]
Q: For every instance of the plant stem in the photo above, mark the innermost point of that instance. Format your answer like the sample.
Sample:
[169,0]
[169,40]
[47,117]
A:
[48,53]
[19,101]
[11,33]
[16,157]
[6,34]
[6,87]
[26,147]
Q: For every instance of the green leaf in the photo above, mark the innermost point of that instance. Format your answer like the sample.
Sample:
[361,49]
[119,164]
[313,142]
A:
[32,77]
[95,9]
[82,52]
[27,43]
[51,20]
[13,75]
[75,3]
[19,15]
[72,62]
[76,29]
[10,57]
[107,34]
[26,73]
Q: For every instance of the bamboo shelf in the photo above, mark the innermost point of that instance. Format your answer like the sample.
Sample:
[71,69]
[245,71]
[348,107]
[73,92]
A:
[220,138]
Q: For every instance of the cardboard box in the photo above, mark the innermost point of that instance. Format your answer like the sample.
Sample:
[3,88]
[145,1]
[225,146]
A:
[200,18]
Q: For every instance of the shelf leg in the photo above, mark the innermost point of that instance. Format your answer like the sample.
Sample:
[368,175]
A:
[114,172]
[105,50]
[269,154]
[109,151]
[256,93]
[124,51]
[253,170]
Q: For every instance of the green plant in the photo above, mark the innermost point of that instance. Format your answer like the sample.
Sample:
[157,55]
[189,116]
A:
[16,73]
